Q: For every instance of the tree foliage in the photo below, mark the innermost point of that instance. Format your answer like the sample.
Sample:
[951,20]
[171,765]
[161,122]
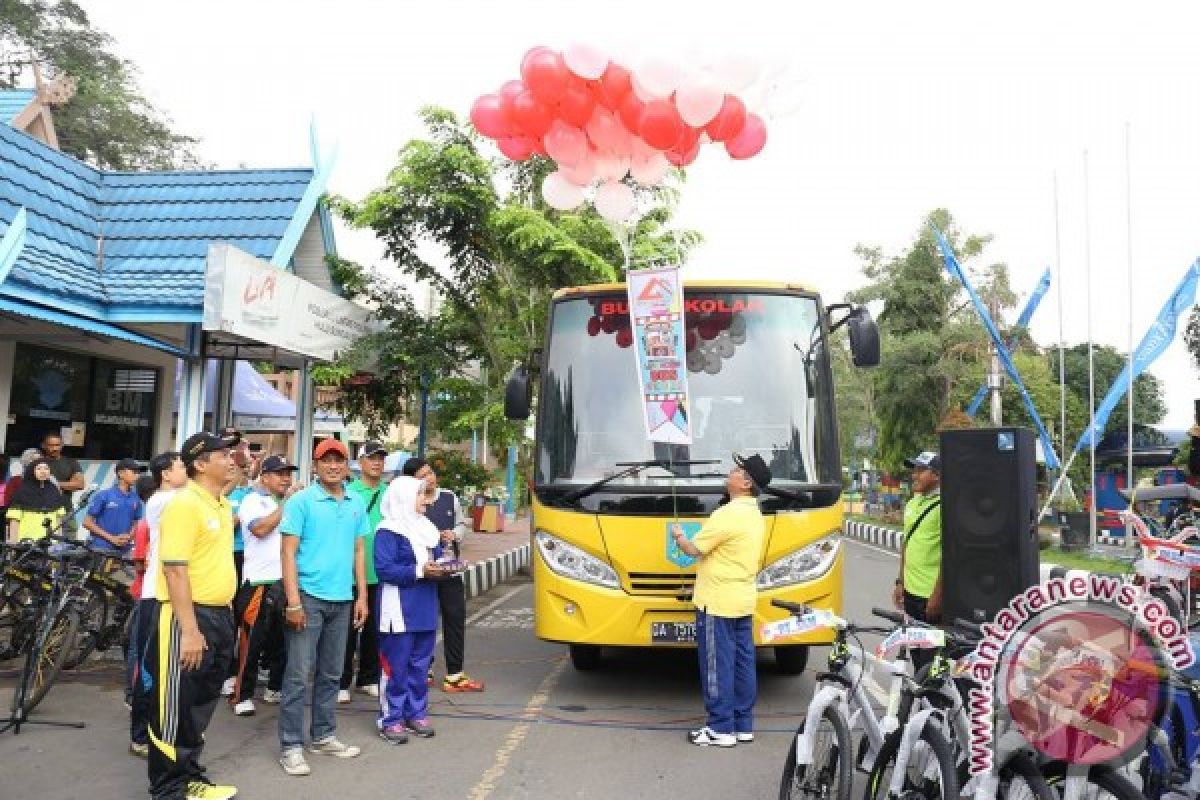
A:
[472,227]
[108,121]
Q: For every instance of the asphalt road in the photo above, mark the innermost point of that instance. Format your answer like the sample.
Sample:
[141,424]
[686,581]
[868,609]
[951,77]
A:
[541,730]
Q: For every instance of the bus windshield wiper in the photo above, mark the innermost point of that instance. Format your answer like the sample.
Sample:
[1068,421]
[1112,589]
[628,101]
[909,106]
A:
[631,468]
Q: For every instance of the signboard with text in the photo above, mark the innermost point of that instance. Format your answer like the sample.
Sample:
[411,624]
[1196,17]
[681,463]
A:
[248,297]
[656,313]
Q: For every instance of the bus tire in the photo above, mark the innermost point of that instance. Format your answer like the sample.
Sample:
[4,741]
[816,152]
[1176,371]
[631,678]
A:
[585,657]
[791,659]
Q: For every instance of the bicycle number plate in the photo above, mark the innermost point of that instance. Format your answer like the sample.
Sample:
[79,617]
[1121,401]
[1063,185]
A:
[672,632]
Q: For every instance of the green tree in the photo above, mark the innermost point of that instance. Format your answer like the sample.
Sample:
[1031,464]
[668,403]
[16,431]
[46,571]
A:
[473,227]
[1149,405]
[108,121]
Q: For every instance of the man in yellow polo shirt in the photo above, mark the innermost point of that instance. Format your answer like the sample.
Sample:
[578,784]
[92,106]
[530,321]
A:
[191,640]
[729,547]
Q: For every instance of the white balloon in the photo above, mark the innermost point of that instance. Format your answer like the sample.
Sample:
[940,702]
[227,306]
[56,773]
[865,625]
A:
[712,364]
[658,76]
[695,361]
[698,101]
[560,193]
[614,201]
[725,346]
[738,326]
[735,71]
[650,171]
[738,338]
[585,60]
[611,167]
[643,92]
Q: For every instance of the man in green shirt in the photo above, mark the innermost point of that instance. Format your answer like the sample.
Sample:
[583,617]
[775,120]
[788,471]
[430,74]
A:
[370,487]
[919,587]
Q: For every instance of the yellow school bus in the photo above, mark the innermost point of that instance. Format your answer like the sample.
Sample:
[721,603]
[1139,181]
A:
[603,495]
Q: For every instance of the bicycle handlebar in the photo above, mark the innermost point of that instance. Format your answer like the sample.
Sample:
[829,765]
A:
[894,617]
[787,605]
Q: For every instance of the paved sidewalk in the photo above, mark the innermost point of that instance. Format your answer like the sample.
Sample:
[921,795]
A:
[495,557]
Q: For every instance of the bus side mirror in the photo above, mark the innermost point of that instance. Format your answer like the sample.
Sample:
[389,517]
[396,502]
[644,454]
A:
[518,394]
[864,338]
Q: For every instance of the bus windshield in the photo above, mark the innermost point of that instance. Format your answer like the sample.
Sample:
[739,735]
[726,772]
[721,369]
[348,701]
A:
[758,382]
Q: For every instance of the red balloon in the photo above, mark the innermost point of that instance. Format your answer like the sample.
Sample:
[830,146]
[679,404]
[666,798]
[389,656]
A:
[630,112]
[614,85]
[692,339]
[624,337]
[508,94]
[729,120]
[593,326]
[533,51]
[576,105]
[531,116]
[708,330]
[546,75]
[660,125]
[680,157]
[487,116]
[518,148]
[750,141]
[608,323]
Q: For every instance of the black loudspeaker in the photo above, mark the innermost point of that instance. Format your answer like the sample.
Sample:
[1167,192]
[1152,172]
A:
[989,520]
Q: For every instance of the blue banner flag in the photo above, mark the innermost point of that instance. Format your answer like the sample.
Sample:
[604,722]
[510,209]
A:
[1156,340]
[1031,306]
[952,266]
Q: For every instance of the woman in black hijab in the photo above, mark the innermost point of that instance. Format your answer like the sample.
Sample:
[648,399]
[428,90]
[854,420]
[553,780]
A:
[36,500]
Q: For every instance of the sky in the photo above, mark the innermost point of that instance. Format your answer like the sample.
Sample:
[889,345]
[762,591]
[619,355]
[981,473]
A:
[889,111]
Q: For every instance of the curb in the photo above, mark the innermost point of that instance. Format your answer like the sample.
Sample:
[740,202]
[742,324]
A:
[484,575]
[890,539]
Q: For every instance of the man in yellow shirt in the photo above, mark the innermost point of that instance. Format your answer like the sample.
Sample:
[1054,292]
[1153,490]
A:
[191,641]
[729,547]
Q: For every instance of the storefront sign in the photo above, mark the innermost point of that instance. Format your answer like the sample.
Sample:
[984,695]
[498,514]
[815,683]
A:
[656,312]
[248,297]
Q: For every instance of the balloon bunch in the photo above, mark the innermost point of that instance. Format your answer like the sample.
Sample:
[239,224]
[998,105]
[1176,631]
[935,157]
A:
[712,337]
[601,121]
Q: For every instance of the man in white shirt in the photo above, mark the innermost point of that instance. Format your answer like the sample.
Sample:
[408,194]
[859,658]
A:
[170,475]
[258,606]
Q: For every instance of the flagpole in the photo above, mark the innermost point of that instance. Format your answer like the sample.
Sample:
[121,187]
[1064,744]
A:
[1087,267]
[1129,477]
[1062,364]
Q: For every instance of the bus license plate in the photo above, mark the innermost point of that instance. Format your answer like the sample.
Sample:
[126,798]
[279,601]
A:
[672,632]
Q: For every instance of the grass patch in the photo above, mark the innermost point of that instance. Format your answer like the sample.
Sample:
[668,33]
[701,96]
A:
[1086,561]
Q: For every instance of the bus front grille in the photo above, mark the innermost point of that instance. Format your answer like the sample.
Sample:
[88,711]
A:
[661,583]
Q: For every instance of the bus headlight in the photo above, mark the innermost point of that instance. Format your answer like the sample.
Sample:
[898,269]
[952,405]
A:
[571,562]
[806,564]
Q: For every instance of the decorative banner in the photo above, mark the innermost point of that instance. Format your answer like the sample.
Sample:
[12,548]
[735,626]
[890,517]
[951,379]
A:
[1031,306]
[656,314]
[795,626]
[674,554]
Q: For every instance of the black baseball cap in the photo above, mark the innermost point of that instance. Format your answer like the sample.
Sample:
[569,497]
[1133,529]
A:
[278,464]
[756,468]
[204,442]
[926,460]
[371,449]
[129,463]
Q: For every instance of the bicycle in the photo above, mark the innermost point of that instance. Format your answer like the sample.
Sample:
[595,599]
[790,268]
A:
[99,628]
[841,704]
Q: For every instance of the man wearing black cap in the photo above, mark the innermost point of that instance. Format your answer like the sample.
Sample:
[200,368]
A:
[729,547]
[113,512]
[919,586]
[191,630]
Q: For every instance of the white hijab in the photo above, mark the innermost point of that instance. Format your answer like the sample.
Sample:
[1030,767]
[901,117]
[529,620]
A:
[399,509]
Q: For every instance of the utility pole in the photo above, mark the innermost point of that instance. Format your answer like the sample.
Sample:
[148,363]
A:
[996,378]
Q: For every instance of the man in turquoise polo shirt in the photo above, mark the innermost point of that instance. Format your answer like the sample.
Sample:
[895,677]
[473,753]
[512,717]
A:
[919,587]
[324,529]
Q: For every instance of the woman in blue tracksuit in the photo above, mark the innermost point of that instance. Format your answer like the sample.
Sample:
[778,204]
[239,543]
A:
[407,545]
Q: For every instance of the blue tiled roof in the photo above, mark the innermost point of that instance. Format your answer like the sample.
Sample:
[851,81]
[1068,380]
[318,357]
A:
[134,238]
[13,102]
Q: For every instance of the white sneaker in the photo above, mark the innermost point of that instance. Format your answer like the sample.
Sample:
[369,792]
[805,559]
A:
[744,737]
[332,746]
[343,696]
[227,687]
[272,697]
[705,737]
[244,708]
[370,689]
[293,763]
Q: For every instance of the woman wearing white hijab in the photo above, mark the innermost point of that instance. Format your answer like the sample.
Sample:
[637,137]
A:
[407,546]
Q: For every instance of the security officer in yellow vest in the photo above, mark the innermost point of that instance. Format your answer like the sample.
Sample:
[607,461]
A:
[919,587]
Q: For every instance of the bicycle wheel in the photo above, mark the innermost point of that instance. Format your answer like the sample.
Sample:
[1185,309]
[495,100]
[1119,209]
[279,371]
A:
[831,774]
[1103,783]
[1020,779]
[17,623]
[48,661]
[930,774]
[92,618]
